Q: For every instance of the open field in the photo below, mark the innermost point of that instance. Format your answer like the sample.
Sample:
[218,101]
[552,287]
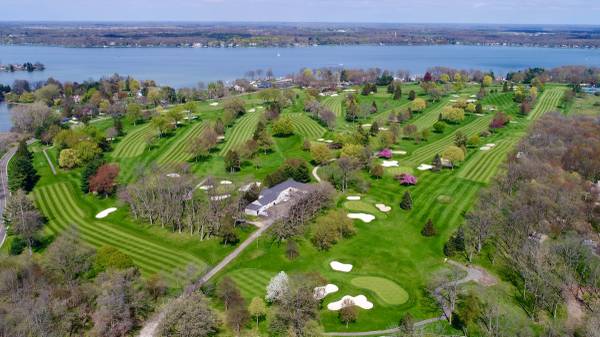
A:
[306,126]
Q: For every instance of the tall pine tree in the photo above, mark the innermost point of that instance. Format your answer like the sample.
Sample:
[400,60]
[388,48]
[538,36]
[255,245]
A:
[21,173]
[406,202]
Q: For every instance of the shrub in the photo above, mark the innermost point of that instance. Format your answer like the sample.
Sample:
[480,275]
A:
[406,179]
[474,140]
[104,181]
[108,257]
[331,228]
[385,153]
[439,127]
[283,127]
[428,229]
[500,120]
[453,115]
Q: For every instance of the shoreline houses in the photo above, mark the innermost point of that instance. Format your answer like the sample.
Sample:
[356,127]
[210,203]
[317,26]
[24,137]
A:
[275,195]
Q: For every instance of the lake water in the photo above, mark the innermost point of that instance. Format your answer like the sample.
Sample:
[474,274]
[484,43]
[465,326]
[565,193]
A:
[179,67]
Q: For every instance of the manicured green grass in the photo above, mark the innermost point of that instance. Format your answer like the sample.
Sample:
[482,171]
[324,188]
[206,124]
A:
[57,202]
[393,171]
[306,126]
[334,103]
[252,282]
[427,118]
[388,291]
[134,143]
[426,152]
[242,131]
[548,101]
[178,150]
[361,206]
[482,167]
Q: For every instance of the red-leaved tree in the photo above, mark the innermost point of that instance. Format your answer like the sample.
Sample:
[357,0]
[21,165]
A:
[104,181]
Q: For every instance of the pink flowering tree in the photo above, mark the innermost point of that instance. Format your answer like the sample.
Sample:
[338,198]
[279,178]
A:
[406,179]
[385,153]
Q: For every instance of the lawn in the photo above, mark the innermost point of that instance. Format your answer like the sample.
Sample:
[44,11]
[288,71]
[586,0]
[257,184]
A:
[388,291]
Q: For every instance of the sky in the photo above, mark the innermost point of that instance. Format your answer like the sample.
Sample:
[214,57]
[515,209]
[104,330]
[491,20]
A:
[389,11]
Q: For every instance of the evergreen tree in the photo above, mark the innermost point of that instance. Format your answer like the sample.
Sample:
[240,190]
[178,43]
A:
[412,95]
[374,130]
[397,92]
[428,229]
[21,173]
[391,88]
[437,163]
[406,202]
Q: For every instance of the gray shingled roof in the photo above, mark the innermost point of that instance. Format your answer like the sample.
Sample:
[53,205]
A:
[269,195]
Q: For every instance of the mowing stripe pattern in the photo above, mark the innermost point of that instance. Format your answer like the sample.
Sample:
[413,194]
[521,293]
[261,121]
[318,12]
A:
[484,164]
[549,100]
[430,116]
[57,203]
[252,282]
[177,152]
[241,132]
[334,104]
[134,143]
[306,126]
[425,154]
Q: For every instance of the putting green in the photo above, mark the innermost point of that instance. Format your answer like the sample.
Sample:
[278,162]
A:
[388,291]
[360,206]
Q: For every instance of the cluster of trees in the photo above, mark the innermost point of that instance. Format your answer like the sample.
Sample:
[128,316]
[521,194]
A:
[79,146]
[540,220]
[170,202]
[300,210]
[321,113]
[73,290]
[292,168]
[331,228]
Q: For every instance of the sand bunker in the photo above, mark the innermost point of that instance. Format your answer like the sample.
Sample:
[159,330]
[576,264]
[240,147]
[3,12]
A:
[455,96]
[424,167]
[383,208]
[390,163]
[399,152]
[359,301]
[490,144]
[353,197]
[453,101]
[321,140]
[362,216]
[471,100]
[252,110]
[329,141]
[206,187]
[366,125]
[105,213]
[226,182]
[473,96]
[479,115]
[214,104]
[321,292]
[220,197]
[334,95]
[485,148]
[383,129]
[338,266]
[173,175]
[349,90]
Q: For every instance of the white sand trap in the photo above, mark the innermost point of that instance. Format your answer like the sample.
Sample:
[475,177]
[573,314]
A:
[226,182]
[473,96]
[353,197]
[485,148]
[105,213]
[321,94]
[338,266]
[173,175]
[399,152]
[390,163]
[321,140]
[366,125]
[455,96]
[366,218]
[453,101]
[424,167]
[321,292]
[383,129]
[490,145]
[206,187]
[252,110]
[214,104]
[260,107]
[221,138]
[349,90]
[220,197]
[471,100]
[479,115]
[383,208]
[360,301]
[329,141]
[334,95]
[513,122]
